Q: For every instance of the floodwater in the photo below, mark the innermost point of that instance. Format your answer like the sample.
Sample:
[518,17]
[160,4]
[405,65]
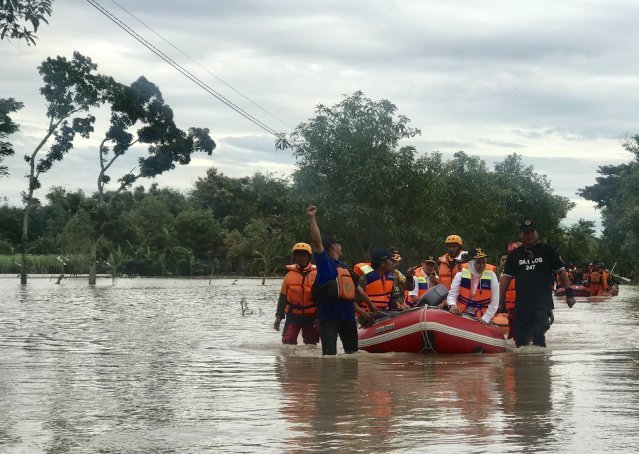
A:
[172,366]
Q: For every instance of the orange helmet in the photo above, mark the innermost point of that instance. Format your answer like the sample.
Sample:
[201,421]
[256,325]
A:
[302,247]
[453,239]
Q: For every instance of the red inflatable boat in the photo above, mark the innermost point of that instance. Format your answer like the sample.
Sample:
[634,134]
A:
[430,330]
[584,291]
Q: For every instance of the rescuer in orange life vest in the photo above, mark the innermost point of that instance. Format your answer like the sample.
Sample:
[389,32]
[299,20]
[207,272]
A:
[510,292]
[378,281]
[424,278]
[475,289]
[450,263]
[295,302]
[597,281]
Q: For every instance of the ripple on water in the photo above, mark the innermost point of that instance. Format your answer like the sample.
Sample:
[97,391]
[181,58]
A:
[170,365]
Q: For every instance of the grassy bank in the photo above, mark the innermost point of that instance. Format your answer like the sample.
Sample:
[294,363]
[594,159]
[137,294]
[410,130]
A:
[44,264]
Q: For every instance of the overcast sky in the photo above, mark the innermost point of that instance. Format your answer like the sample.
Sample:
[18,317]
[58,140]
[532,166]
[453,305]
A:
[557,82]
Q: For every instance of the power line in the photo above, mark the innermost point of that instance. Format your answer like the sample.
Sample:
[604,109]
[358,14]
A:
[200,65]
[180,68]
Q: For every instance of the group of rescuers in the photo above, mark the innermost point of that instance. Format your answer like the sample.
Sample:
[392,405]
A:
[595,276]
[325,300]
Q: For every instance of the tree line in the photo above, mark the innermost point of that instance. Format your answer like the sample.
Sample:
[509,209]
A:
[350,161]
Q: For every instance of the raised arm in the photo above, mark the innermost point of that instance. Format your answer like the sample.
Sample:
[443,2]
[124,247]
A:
[316,236]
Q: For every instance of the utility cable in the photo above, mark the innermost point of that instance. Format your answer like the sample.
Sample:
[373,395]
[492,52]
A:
[200,65]
[180,68]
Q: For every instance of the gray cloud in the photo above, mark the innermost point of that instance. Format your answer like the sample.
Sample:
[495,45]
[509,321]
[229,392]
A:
[543,79]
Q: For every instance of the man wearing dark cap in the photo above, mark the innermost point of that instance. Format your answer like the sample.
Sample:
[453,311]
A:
[333,292]
[378,281]
[533,266]
[403,283]
[425,277]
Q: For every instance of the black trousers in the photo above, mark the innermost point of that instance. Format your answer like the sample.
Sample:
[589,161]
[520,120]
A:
[347,331]
[531,323]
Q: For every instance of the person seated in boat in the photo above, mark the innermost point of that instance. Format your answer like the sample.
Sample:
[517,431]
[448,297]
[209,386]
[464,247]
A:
[403,283]
[475,289]
[424,278]
[295,301]
[378,281]
[606,278]
[610,279]
[596,281]
[451,262]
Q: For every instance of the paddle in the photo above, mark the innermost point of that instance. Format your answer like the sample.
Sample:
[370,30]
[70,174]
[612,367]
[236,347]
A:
[625,279]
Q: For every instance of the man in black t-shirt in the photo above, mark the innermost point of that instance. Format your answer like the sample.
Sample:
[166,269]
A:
[533,266]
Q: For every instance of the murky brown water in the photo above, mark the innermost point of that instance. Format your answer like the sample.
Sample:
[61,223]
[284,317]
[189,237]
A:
[171,366]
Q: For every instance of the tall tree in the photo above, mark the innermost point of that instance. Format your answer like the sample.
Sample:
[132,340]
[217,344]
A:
[140,106]
[20,19]
[347,161]
[7,127]
[616,194]
[71,88]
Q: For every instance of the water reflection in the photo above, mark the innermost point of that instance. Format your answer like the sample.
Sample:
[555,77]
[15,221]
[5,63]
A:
[377,400]
[172,366]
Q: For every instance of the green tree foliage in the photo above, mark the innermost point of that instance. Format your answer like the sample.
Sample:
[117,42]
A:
[374,191]
[7,127]
[197,230]
[235,201]
[616,193]
[76,239]
[371,188]
[349,161]
[20,19]
[581,245]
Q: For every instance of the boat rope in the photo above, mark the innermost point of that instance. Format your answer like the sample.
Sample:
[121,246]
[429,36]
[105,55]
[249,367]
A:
[424,331]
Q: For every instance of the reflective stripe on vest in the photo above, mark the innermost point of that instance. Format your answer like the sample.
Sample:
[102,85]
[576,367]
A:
[298,290]
[478,304]
[378,288]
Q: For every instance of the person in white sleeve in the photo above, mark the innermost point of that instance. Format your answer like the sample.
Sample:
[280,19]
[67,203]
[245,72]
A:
[475,289]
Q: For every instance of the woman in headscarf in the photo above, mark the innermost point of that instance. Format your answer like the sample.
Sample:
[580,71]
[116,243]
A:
[475,289]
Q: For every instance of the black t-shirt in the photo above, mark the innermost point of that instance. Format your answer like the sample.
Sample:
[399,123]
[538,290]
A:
[534,270]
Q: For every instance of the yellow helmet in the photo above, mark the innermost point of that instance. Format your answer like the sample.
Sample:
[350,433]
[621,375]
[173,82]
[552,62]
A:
[453,239]
[302,247]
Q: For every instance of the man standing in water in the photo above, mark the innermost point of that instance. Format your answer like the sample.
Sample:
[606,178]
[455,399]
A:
[333,292]
[295,302]
[533,265]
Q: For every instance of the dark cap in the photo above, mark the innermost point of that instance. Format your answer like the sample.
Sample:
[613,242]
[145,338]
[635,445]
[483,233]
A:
[429,259]
[528,226]
[328,241]
[380,254]
[395,255]
[477,253]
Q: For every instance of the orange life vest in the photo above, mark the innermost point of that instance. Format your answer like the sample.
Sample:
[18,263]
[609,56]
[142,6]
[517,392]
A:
[478,304]
[342,288]
[422,281]
[378,288]
[297,288]
[511,295]
[595,277]
[446,273]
